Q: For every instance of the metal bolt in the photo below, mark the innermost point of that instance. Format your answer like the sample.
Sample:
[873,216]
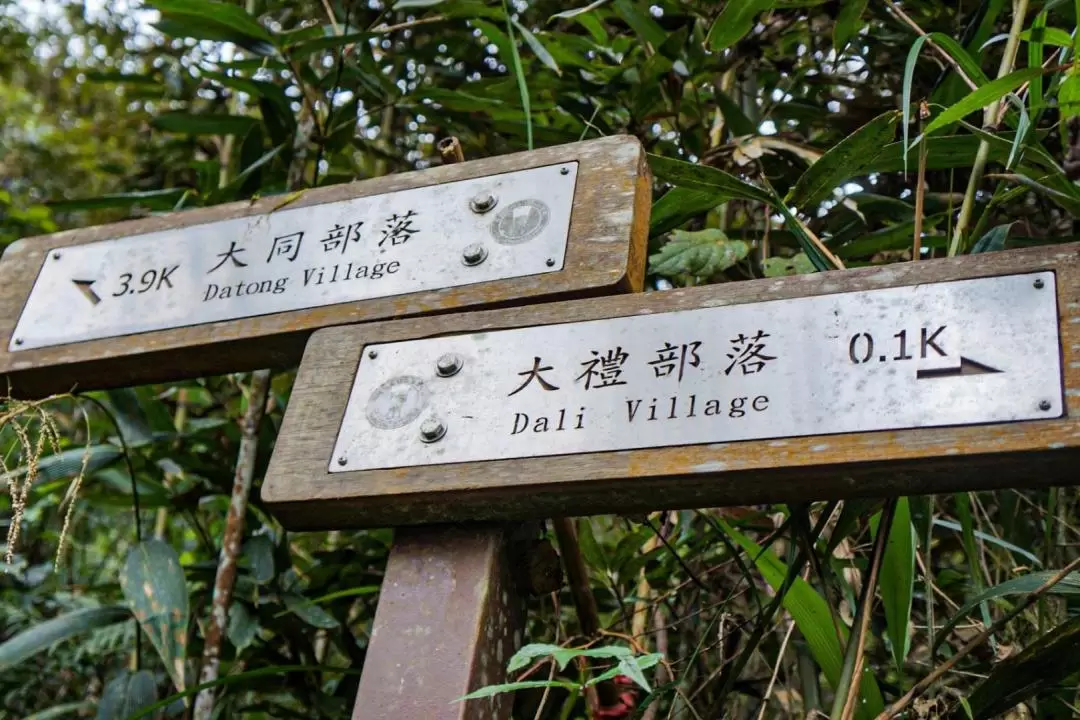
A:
[448,365]
[564,171]
[474,254]
[483,202]
[1045,405]
[432,430]
[343,461]
[372,354]
[18,341]
[1039,284]
[56,256]
[550,262]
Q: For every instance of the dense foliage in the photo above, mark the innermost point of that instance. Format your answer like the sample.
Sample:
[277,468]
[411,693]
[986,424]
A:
[779,133]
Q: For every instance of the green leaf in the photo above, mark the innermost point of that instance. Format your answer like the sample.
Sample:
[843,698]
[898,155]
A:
[528,653]
[993,240]
[640,22]
[259,553]
[1068,586]
[734,22]
[64,710]
[980,98]
[701,254]
[193,124]
[126,694]
[491,690]
[847,22]
[402,4]
[905,103]
[1049,35]
[220,14]
[1042,665]
[538,48]
[678,205]
[844,160]
[67,463]
[1069,94]
[777,266]
[44,635]
[309,612]
[813,618]
[243,626]
[567,14]
[326,42]
[153,583]
[706,179]
[897,582]
[152,199]
[1035,59]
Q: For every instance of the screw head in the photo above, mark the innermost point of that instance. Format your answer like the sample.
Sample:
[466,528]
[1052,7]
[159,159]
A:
[448,365]
[343,461]
[474,254]
[550,262]
[1045,405]
[373,354]
[18,341]
[483,202]
[56,256]
[432,430]
[564,171]
[1039,284]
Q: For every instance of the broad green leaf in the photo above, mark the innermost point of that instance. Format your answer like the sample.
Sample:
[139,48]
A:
[1050,36]
[243,626]
[993,240]
[256,89]
[963,58]
[777,266]
[980,98]
[1068,586]
[735,118]
[1069,94]
[897,581]
[193,124]
[1048,661]
[258,551]
[701,254]
[152,199]
[678,205]
[844,160]
[490,690]
[847,22]
[126,694]
[44,635]
[811,615]
[215,21]
[538,48]
[633,14]
[530,652]
[129,416]
[67,463]
[705,178]
[567,14]
[734,22]
[153,583]
[631,667]
[309,612]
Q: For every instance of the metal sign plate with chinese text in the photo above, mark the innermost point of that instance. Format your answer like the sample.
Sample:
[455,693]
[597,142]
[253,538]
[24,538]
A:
[460,233]
[952,353]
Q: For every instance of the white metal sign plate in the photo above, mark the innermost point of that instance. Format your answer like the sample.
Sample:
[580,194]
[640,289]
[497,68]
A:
[471,231]
[955,353]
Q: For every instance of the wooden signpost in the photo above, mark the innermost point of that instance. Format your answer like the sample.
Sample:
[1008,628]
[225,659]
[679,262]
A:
[922,377]
[242,286]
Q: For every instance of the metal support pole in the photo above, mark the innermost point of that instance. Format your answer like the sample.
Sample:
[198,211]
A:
[448,620]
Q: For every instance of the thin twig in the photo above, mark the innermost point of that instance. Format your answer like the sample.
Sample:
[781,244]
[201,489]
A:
[920,186]
[1028,600]
[776,670]
[930,41]
[409,24]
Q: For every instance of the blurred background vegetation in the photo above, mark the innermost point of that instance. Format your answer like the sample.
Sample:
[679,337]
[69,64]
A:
[778,131]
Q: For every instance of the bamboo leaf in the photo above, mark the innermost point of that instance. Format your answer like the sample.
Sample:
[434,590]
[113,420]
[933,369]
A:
[44,635]
[993,240]
[640,22]
[706,179]
[847,22]
[490,690]
[309,612]
[194,124]
[734,22]
[678,205]
[844,160]
[538,48]
[153,583]
[980,98]
[897,582]
[216,21]
[567,14]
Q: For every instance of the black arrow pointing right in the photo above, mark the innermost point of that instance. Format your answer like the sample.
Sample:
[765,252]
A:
[967,367]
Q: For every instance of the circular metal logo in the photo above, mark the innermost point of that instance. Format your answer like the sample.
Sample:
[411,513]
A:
[519,222]
[397,402]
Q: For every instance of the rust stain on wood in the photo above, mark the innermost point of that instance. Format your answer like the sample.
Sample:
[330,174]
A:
[804,468]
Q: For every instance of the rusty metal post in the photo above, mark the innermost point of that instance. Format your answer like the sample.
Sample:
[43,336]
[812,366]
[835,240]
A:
[448,620]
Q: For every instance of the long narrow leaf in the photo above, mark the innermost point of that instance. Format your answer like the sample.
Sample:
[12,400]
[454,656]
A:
[734,22]
[905,103]
[705,178]
[44,635]
[978,99]
[897,583]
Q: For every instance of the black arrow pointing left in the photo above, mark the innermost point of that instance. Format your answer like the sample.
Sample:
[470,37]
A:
[86,288]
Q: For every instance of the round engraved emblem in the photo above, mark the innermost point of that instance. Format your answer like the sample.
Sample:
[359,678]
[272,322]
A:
[519,222]
[397,402]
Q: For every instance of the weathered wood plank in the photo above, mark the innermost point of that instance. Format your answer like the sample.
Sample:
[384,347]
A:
[936,459]
[605,254]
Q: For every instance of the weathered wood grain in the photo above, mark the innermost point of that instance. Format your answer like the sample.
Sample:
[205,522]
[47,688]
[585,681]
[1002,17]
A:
[608,232]
[305,495]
